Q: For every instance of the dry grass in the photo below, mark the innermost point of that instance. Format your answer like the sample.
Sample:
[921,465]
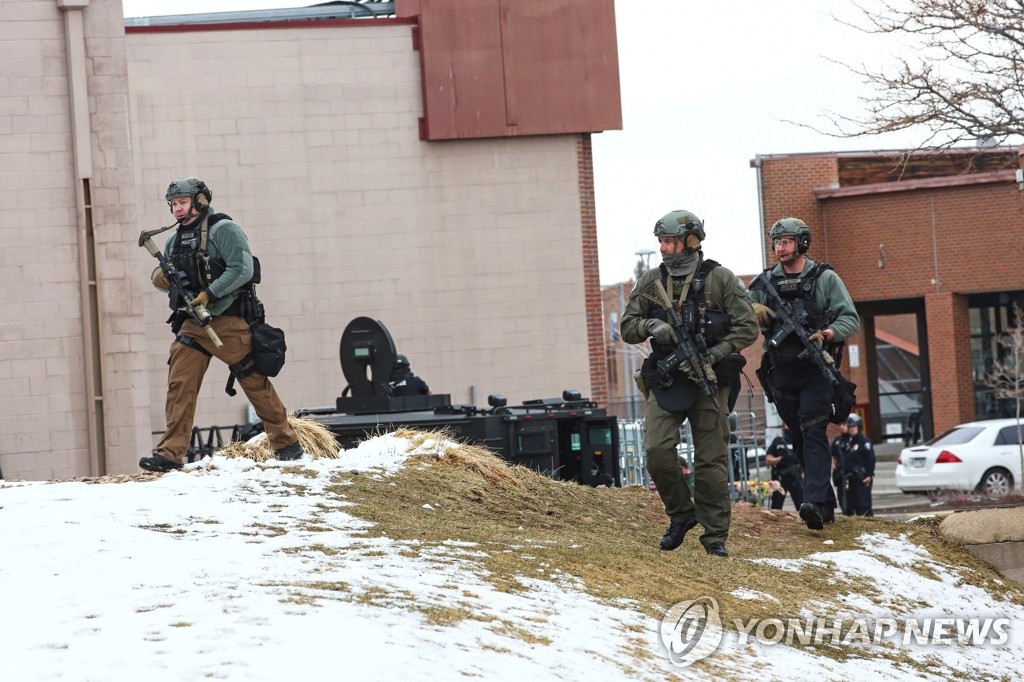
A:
[530,526]
[314,438]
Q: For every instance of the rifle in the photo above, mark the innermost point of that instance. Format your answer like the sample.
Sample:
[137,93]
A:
[688,349]
[789,321]
[178,281]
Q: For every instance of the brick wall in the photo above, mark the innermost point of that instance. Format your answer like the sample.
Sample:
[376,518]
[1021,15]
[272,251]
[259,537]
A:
[596,333]
[932,244]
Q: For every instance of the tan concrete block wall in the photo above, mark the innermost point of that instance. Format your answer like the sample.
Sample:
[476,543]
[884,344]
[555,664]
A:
[469,251]
[43,418]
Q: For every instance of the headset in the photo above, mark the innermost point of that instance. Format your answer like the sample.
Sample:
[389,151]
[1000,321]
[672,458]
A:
[203,196]
[803,242]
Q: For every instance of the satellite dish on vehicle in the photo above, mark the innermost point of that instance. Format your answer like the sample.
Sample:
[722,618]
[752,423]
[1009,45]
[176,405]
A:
[367,357]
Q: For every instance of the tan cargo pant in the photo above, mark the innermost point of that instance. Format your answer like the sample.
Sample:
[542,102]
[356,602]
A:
[186,369]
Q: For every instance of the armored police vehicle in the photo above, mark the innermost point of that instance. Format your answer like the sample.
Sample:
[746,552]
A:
[568,438]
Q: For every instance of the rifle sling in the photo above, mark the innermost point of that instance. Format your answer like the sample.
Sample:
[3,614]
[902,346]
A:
[192,343]
[667,300]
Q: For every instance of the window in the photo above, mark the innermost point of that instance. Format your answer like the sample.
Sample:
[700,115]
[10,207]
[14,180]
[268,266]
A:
[1009,435]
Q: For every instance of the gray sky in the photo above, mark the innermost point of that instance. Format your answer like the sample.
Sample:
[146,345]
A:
[705,88]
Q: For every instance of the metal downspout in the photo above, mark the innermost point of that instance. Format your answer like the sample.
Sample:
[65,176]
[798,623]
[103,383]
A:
[760,212]
[81,143]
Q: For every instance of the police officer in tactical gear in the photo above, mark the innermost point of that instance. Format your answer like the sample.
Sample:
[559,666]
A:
[712,304]
[786,470]
[803,396]
[403,382]
[214,254]
[854,458]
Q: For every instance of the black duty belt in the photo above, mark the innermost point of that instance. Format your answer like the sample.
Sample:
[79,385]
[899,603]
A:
[233,310]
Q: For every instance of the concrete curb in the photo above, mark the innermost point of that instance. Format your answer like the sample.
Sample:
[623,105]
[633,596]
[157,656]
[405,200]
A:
[995,535]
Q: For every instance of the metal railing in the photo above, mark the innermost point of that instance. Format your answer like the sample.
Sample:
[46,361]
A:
[207,440]
[748,474]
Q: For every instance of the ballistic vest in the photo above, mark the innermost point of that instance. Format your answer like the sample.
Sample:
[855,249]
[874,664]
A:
[189,253]
[696,316]
[800,293]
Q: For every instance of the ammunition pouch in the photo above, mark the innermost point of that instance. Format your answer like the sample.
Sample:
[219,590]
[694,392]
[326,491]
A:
[674,392]
[729,368]
[728,372]
[266,358]
[638,378]
[763,373]
[177,319]
[835,349]
[843,399]
[268,343]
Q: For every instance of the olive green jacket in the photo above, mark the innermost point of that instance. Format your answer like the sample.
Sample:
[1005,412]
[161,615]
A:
[723,291]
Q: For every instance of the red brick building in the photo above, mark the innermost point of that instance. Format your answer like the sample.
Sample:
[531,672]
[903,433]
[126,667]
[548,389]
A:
[929,245]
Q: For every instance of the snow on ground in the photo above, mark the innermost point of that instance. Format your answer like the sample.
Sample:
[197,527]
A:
[233,570]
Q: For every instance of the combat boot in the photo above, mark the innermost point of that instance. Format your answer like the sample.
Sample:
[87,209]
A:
[293,451]
[716,549]
[813,515]
[158,463]
[675,533]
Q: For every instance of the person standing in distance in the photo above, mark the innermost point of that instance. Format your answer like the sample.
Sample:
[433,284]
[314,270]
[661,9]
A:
[213,253]
[403,382]
[712,304]
[857,470]
[839,446]
[803,396]
[786,470]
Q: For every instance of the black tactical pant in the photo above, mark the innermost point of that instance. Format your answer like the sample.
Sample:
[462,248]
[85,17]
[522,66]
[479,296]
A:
[803,397]
[792,483]
[857,496]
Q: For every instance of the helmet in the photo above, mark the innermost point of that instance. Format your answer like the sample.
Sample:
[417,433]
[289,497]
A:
[854,420]
[792,227]
[190,187]
[677,224]
[401,361]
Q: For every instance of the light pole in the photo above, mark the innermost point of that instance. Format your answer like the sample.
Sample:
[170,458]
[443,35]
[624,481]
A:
[645,256]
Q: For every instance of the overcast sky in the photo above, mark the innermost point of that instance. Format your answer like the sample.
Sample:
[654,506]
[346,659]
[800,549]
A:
[706,87]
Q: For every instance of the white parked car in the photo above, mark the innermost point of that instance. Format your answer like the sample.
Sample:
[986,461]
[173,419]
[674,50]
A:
[983,456]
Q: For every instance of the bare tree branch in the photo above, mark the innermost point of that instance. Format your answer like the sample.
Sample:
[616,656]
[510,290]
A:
[964,81]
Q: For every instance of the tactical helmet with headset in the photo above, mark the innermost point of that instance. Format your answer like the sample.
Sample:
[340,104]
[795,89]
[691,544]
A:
[190,187]
[678,224]
[792,227]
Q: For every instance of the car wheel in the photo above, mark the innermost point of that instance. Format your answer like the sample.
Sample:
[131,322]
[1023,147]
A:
[996,483]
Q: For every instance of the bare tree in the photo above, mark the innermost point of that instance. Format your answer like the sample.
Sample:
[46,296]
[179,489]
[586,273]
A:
[1006,378]
[964,81]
